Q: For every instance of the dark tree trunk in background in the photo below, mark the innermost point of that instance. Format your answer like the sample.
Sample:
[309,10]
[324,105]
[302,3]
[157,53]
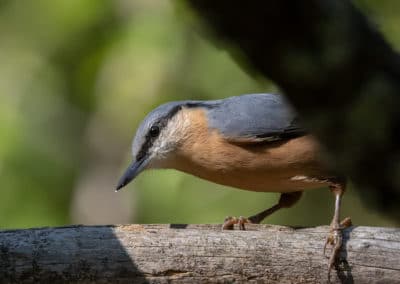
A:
[336,69]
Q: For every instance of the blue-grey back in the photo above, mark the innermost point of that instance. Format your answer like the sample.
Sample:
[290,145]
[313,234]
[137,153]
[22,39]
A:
[261,116]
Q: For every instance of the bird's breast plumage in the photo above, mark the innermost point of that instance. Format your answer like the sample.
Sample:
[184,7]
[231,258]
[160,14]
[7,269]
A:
[266,166]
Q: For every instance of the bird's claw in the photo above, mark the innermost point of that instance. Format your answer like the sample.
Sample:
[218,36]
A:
[229,223]
[335,239]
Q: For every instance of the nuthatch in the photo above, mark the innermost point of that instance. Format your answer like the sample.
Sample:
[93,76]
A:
[252,142]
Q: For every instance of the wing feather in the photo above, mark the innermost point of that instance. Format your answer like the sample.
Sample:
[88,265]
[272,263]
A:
[256,118]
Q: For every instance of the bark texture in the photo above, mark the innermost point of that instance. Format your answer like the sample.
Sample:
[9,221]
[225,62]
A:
[337,70]
[195,254]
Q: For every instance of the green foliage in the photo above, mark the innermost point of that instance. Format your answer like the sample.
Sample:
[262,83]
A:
[76,78]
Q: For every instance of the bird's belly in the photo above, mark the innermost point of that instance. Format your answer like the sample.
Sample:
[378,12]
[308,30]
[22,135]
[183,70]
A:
[285,181]
[275,167]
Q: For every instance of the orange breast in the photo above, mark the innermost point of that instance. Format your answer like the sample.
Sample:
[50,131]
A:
[272,167]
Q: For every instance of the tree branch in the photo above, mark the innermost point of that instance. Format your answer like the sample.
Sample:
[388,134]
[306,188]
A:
[194,254]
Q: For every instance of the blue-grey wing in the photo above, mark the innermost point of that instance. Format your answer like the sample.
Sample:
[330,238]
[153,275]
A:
[255,118]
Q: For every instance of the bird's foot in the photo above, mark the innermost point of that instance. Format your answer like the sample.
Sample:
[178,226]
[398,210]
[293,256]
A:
[335,239]
[229,222]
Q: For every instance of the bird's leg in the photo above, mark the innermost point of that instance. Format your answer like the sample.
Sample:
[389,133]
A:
[335,236]
[285,201]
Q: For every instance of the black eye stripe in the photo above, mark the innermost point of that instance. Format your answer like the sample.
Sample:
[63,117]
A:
[149,138]
[161,123]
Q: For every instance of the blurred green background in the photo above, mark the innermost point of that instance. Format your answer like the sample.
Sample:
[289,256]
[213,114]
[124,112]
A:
[76,78]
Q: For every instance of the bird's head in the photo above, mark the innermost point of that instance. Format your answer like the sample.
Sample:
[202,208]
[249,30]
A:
[157,139]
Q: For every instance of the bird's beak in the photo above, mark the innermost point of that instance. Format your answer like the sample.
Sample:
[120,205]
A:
[134,169]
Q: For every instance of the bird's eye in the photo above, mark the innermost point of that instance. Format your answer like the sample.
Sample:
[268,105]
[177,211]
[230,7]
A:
[154,131]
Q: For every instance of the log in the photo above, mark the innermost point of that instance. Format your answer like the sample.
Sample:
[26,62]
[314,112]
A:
[195,254]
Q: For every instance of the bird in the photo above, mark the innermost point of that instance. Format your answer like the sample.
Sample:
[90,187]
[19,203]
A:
[252,142]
